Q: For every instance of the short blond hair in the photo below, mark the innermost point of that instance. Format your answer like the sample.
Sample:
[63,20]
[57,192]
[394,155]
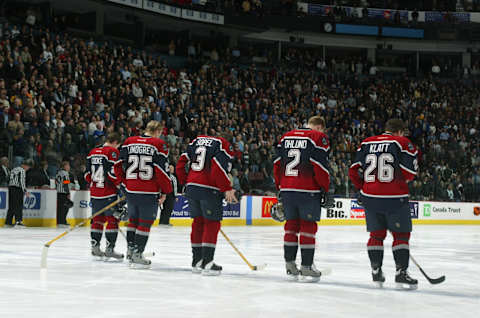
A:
[316,120]
[153,126]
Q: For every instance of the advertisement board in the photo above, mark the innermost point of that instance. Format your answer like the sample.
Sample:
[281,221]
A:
[180,208]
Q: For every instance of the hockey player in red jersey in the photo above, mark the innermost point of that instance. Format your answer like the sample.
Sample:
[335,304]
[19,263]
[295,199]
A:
[208,160]
[142,165]
[104,185]
[383,165]
[302,176]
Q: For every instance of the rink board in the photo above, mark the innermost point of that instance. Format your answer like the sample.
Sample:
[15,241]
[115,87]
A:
[40,210]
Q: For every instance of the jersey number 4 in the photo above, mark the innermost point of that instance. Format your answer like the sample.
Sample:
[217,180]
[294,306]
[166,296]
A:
[142,164]
[98,177]
[385,171]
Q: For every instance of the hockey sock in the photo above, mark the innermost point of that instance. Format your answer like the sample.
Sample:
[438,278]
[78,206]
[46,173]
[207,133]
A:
[131,229]
[401,249]
[209,239]
[96,229]
[141,234]
[111,232]
[196,239]
[307,241]
[375,248]
[290,240]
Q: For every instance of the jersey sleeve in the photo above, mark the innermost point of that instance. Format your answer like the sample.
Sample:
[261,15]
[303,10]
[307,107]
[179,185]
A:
[408,160]
[354,171]
[118,166]
[110,168]
[277,166]
[181,168]
[221,166]
[319,161]
[88,172]
[160,164]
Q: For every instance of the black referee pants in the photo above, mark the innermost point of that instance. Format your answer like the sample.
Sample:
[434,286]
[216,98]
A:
[167,209]
[15,205]
[62,209]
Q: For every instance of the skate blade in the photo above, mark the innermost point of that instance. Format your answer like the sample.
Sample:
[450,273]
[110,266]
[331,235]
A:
[207,272]
[402,286]
[378,284]
[97,258]
[112,260]
[196,270]
[292,278]
[139,266]
[308,279]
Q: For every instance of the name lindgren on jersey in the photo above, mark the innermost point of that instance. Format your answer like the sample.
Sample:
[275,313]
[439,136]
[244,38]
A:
[100,173]
[388,162]
[301,164]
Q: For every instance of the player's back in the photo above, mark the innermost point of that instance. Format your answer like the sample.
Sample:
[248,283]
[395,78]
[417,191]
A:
[144,160]
[100,175]
[301,164]
[388,162]
[210,161]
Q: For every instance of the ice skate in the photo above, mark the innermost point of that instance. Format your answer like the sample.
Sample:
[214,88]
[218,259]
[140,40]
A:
[20,223]
[97,253]
[309,274]
[138,261]
[129,253]
[111,254]
[378,277]
[404,281]
[197,267]
[292,270]
[211,269]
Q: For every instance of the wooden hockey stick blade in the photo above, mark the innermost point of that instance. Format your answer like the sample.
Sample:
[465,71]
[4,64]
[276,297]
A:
[432,281]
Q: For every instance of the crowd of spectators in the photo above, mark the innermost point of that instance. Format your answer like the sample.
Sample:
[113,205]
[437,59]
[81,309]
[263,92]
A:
[60,95]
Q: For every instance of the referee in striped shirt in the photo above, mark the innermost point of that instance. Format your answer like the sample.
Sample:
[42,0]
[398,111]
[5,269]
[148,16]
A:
[16,189]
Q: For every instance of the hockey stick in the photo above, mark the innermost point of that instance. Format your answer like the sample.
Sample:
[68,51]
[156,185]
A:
[43,262]
[252,267]
[432,281]
[147,254]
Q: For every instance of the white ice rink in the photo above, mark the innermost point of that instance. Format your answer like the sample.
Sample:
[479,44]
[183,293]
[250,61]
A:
[77,286]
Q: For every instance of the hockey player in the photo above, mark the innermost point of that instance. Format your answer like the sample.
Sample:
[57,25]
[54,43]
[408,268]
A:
[104,185]
[142,164]
[302,176]
[383,165]
[208,160]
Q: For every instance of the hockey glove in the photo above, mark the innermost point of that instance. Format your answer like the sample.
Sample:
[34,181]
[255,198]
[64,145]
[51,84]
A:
[277,212]
[120,213]
[359,198]
[326,200]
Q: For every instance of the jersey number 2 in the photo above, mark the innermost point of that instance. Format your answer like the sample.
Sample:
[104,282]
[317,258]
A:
[142,163]
[290,170]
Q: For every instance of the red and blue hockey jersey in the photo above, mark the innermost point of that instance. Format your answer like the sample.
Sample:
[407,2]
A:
[142,165]
[388,163]
[100,173]
[209,160]
[301,164]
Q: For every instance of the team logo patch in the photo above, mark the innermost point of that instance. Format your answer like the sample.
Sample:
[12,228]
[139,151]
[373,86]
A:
[324,141]
[230,148]
[114,155]
[410,147]
[476,210]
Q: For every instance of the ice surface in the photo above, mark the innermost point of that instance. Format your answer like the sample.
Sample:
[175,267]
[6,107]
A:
[77,286]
